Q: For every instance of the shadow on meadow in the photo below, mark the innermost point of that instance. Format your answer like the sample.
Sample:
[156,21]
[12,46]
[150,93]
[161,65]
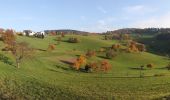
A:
[6,60]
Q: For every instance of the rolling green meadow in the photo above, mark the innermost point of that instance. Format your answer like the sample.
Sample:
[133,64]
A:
[46,77]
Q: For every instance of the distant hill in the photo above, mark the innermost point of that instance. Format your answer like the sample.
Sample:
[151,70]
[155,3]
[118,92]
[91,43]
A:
[146,31]
[67,31]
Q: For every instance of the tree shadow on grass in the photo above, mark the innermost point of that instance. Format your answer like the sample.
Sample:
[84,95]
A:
[41,50]
[162,68]
[67,62]
[53,70]
[103,57]
[136,68]
[63,68]
[6,60]
[118,77]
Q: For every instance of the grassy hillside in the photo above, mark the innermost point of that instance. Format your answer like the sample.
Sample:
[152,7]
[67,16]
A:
[45,76]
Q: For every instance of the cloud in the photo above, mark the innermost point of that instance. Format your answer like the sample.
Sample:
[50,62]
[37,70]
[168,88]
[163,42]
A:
[101,9]
[139,9]
[135,8]
[161,21]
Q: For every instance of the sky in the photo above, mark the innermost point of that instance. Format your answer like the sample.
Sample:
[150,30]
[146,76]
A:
[84,15]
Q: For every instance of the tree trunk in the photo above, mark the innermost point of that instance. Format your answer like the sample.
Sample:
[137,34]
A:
[18,63]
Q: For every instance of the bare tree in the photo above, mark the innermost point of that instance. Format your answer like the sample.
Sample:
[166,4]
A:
[21,51]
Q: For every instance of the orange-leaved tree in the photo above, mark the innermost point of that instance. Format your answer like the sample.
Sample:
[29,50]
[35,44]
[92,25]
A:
[80,61]
[105,66]
[51,47]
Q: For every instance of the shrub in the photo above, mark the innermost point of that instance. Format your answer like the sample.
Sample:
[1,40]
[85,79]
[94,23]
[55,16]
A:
[111,54]
[91,53]
[73,40]
[150,66]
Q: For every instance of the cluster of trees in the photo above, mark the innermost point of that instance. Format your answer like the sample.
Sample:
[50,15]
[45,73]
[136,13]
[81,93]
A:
[135,47]
[117,37]
[73,40]
[92,66]
[101,66]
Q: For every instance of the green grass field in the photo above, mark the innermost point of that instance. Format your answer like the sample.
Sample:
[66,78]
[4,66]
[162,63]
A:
[46,77]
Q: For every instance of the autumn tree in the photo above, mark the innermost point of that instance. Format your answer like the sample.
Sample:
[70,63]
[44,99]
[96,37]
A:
[80,61]
[105,66]
[8,37]
[51,47]
[21,51]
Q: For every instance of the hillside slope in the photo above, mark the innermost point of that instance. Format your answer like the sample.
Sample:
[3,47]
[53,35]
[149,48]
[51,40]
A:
[46,76]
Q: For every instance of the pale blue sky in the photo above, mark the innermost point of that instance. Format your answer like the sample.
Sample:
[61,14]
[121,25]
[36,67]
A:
[87,15]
